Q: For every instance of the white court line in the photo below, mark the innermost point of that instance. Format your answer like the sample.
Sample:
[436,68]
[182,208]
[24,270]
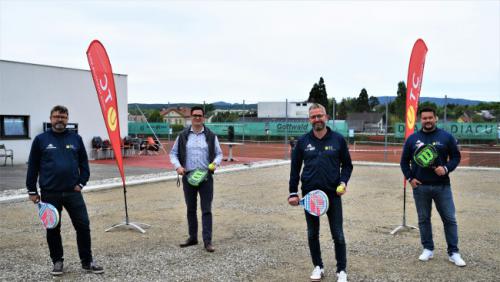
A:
[21,195]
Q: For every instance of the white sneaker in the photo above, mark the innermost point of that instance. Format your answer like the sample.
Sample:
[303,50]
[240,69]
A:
[457,259]
[426,255]
[317,274]
[342,276]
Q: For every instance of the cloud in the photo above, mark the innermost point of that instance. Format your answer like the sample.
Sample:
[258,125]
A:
[264,51]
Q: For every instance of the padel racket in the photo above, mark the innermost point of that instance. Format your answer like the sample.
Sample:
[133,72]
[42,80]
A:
[426,156]
[197,176]
[315,202]
[48,214]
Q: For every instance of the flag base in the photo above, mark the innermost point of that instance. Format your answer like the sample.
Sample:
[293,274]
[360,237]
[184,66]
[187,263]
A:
[402,227]
[130,225]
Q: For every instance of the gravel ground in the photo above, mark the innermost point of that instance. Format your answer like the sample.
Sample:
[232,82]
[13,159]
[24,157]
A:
[258,237]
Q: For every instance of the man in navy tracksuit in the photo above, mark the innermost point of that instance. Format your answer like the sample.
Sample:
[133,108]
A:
[327,165]
[59,161]
[433,183]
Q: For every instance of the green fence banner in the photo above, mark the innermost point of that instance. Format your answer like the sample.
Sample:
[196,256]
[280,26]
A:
[460,130]
[273,128]
[135,128]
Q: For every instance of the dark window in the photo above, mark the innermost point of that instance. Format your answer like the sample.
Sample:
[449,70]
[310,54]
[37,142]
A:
[14,127]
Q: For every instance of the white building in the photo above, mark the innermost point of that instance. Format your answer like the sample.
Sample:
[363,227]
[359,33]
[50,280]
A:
[279,109]
[29,91]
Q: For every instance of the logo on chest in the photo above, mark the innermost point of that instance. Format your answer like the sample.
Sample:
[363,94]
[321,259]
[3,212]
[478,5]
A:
[436,143]
[329,148]
[50,147]
[310,147]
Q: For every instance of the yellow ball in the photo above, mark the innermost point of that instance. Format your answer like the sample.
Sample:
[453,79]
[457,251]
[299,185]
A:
[340,189]
[211,166]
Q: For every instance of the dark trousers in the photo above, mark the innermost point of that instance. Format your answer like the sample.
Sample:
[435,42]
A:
[334,214]
[75,206]
[443,199]
[206,191]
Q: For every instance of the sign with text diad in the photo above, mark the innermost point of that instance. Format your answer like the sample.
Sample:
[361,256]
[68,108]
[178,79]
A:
[460,130]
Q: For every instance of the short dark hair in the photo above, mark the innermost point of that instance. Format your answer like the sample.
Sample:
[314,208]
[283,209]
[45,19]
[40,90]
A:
[60,109]
[195,108]
[427,109]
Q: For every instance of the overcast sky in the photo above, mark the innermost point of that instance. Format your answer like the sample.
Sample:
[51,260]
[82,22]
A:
[267,50]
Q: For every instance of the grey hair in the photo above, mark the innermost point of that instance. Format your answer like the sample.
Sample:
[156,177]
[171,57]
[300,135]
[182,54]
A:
[317,106]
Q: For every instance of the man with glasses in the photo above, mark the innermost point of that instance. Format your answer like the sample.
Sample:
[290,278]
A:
[59,161]
[327,167]
[197,147]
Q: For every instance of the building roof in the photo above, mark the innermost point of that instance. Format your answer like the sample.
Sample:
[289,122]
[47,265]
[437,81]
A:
[181,111]
[52,66]
[257,119]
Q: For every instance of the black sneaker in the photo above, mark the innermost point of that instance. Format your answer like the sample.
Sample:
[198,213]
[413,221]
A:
[58,268]
[94,268]
[189,242]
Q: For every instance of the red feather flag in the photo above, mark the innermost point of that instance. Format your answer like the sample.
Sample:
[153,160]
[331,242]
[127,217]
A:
[104,82]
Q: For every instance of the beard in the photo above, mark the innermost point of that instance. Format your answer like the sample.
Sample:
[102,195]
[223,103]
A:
[429,126]
[59,126]
[318,126]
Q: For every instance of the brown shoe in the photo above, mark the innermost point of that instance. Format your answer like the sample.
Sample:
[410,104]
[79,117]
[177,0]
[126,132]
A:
[209,247]
[189,242]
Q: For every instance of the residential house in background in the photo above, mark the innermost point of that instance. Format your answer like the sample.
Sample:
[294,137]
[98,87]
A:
[178,115]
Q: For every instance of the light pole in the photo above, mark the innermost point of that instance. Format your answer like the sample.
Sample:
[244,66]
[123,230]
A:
[286,129]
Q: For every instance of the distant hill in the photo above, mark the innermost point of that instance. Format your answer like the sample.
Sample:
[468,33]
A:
[236,106]
[438,101]
[221,105]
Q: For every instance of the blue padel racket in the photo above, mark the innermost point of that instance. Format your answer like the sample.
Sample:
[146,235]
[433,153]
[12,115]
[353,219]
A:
[48,214]
[315,202]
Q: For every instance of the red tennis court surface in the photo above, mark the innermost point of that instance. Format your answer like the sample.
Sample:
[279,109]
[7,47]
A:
[258,151]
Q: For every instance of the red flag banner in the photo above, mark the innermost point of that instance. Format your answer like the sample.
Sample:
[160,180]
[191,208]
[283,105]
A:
[413,84]
[104,82]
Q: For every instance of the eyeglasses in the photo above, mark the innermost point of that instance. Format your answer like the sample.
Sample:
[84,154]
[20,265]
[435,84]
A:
[59,117]
[316,117]
[197,116]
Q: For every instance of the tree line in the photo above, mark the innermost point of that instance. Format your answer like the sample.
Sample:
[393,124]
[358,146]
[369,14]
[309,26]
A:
[362,103]
[396,108]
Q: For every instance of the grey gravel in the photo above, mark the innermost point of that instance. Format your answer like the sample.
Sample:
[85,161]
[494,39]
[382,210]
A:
[258,237]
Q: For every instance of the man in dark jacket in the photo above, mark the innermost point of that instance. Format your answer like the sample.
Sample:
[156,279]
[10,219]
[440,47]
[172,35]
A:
[197,147]
[433,183]
[327,165]
[59,161]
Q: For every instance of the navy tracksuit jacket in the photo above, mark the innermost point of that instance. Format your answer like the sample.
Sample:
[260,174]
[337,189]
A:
[59,162]
[326,163]
[446,146]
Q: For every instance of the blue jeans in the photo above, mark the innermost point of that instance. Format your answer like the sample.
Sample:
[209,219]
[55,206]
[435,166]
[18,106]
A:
[75,206]
[206,191]
[443,199]
[335,220]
